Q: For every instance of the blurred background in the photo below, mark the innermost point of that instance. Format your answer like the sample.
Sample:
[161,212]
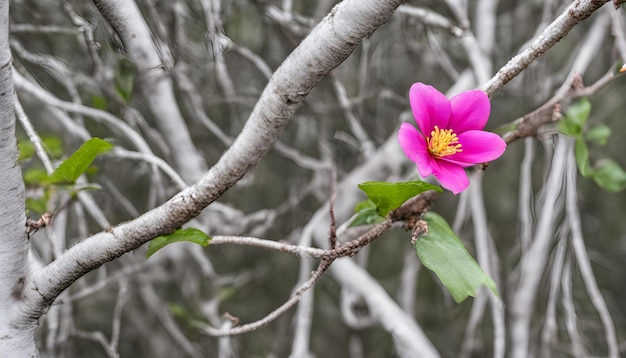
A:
[219,56]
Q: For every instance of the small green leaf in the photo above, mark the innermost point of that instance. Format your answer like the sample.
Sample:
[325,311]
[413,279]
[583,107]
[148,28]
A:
[366,214]
[364,205]
[509,127]
[27,150]
[52,145]
[569,129]
[178,310]
[38,206]
[34,176]
[575,118]
[125,78]
[442,252]
[582,157]
[74,166]
[579,112]
[610,176]
[187,234]
[390,196]
[99,102]
[599,134]
[75,189]
[227,292]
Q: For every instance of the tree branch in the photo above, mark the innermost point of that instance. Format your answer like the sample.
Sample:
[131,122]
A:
[332,40]
[157,87]
[17,331]
[558,29]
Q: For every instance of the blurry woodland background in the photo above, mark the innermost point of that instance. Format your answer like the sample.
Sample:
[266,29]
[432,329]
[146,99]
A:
[219,55]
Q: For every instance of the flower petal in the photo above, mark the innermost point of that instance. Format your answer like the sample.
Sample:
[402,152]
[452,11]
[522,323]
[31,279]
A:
[470,111]
[414,146]
[478,147]
[430,107]
[428,166]
[452,177]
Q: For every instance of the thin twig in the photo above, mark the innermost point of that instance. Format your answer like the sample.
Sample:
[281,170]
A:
[414,208]
[571,319]
[33,136]
[295,297]
[485,254]
[549,331]
[533,263]
[333,196]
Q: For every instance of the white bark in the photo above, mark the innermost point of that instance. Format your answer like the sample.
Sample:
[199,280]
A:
[16,331]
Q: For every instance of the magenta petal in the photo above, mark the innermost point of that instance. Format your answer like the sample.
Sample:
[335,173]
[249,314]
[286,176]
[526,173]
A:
[414,146]
[452,177]
[478,147]
[430,107]
[428,166]
[470,111]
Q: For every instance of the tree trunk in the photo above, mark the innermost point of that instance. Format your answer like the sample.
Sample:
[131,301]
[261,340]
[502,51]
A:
[17,333]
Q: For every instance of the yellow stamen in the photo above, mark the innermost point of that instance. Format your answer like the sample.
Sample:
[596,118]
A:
[443,142]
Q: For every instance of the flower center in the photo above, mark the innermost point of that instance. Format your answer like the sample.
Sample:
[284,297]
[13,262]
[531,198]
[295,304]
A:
[443,142]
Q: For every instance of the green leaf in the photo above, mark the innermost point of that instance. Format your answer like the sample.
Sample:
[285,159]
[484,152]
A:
[75,189]
[390,196]
[575,118]
[579,112]
[179,311]
[364,205]
[442,252]
[34,176]
[38,206]
[582,157]
[227,292]
[188,234]
[366,214]
[27,150]
[99,102]
[599,134]
[125,78]
[509,127]
[74,166]
[52,145]
[610,176]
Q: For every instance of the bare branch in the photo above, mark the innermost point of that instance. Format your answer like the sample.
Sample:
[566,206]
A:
[295,297]
[533,263]
[582,259]
[157,86]
[575,13]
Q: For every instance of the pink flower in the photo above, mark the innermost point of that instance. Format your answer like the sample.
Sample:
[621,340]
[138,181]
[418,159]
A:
[450,135]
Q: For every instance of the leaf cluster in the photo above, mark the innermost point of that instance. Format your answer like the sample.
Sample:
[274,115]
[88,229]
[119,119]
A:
[606,173]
